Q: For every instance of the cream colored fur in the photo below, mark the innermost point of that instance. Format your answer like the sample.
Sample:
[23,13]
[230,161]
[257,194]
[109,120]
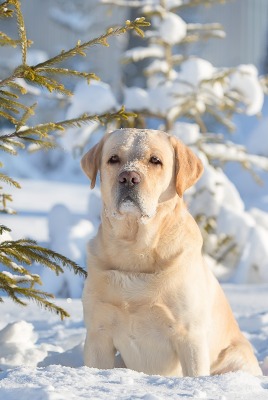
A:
[148,294]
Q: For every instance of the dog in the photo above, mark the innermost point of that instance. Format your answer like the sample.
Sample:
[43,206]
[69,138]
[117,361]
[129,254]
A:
[150,302]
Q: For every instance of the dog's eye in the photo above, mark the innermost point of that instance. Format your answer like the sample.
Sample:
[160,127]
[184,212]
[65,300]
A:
[114,159]
[155,160]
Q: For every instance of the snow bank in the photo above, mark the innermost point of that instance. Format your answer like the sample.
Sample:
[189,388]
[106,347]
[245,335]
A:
[42,359]
[17,345]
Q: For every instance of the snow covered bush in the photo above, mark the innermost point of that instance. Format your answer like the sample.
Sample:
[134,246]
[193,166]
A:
[182,87]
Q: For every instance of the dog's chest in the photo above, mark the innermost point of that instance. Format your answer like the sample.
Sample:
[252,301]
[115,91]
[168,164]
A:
[130,286]
[143,326]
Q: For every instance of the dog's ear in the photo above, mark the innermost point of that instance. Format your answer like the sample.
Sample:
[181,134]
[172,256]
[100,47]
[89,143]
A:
[188,166]
[90,162]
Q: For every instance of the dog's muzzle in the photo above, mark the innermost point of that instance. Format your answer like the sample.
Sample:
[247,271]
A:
[128,188]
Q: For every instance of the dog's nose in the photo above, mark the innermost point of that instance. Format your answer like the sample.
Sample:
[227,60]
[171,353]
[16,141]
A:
[130,178]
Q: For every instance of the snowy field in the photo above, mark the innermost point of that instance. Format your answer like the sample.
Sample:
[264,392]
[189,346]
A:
[41,358]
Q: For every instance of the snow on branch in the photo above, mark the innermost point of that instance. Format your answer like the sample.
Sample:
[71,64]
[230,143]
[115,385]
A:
[229,151]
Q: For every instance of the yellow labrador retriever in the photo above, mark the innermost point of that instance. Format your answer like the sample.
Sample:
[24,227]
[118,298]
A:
[148,295]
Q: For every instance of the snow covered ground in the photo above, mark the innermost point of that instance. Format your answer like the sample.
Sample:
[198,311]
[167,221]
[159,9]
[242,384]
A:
[41,359]
[41,356]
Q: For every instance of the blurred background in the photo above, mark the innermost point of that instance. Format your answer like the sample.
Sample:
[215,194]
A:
[199,74]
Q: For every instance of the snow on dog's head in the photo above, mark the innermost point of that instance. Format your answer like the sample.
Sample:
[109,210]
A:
[140,169]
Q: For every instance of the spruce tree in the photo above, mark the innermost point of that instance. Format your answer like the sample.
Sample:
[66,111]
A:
[16,279]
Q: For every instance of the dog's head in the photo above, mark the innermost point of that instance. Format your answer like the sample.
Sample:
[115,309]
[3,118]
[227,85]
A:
[139,169]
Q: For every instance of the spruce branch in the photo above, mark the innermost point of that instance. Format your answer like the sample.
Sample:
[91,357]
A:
[5,11]
[42,130]
[18,256]
[40,74]
[17,86]
[80,48]
[7,147]
[8,117]
[16,293]
[3,229]
[8,94]
[10,181]
[28,113]
[5,40]
[4,198]
[22,284]
[69,72]
[32,74]
[21,30]
[11,105]
[28,251]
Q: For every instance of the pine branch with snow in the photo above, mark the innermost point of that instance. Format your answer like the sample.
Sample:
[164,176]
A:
[20,282]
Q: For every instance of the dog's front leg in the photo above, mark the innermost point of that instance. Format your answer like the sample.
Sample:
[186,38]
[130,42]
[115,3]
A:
[99,351]
[194,356]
